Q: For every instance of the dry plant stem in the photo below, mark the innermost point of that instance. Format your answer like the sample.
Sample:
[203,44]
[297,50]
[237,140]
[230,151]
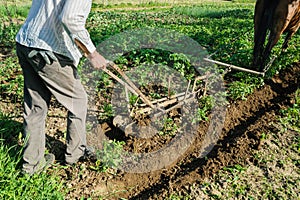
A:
[169,85]
[199,78]
[178,100]
[127,99]
[190,97]
[164,99]
[179,94]
[187,89]
[163,104]
[135,105]
[205,87]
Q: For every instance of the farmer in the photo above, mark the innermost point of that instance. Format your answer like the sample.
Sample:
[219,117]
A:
[49,47]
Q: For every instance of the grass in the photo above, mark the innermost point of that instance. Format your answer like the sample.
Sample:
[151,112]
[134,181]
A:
[14,185]
[213,10]
[291,115]
[11,79]
[13,10]
[172,2]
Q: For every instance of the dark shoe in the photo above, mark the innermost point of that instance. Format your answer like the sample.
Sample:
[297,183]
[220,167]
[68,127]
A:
[42,165]
[88,155]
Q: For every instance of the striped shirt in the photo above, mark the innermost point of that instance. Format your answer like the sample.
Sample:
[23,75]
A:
[54,26]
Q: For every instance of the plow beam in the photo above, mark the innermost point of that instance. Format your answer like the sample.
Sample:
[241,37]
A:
[234,67]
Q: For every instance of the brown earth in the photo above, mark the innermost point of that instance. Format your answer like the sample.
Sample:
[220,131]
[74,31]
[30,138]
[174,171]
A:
[245,122]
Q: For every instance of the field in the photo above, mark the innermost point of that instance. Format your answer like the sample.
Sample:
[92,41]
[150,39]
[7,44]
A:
[251,121]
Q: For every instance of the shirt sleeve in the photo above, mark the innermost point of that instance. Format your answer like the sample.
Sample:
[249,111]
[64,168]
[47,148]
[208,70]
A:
[73,17]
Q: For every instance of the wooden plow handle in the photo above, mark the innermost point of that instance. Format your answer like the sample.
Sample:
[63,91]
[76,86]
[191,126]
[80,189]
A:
[127,83]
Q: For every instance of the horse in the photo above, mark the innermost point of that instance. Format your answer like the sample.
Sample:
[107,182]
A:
[273,18]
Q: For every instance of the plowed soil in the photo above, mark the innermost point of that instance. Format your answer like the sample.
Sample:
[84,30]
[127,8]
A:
[245,121]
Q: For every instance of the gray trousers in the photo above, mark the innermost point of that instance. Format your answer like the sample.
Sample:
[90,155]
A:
[41,81]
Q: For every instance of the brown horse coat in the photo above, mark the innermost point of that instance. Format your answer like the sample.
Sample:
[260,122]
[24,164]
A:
[275,17]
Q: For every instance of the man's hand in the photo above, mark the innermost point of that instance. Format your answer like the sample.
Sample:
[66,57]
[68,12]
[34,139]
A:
[48,56]
[97,61]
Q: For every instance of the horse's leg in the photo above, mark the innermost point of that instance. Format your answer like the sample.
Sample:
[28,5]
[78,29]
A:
[273,39]
[260,30]
[278,25]
[286,41]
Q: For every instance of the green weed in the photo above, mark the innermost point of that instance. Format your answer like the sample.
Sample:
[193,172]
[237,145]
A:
[169,127]
[8,34]
[235,168]
[108,109]
[205,105]
[244,85]
[11,79]
[110,157]
[291,115]
[9,11]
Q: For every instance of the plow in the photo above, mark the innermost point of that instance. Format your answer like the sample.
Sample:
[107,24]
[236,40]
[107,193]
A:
[155,109]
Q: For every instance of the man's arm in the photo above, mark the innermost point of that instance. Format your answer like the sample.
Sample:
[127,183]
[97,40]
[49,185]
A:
[73,16]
